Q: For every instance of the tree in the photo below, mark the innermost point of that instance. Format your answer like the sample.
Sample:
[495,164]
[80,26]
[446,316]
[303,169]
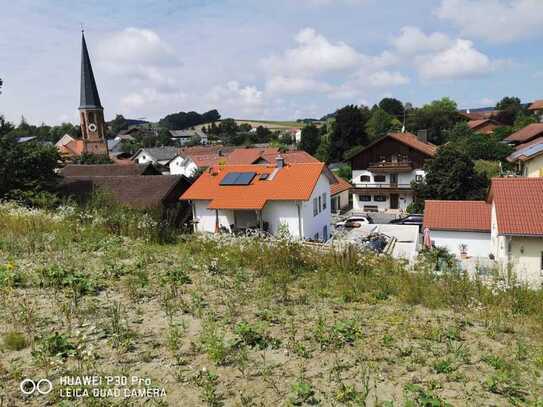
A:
[436,117]
[311,139]
[509,109]
[5,126]
[450,175]
[323,152]
[478,146]
[380,124]
[182,120]
[26,169]
[392,106]
[345,171]
[118,124]
[349,130]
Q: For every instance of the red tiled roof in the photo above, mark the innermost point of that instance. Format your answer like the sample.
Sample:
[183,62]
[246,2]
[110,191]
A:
[292,157]
[249,155]
[341,186]
[73,147]
[293,182]
[206,160]
[536,105]
[457,215]
[527,133]
[519,205]
[412,141]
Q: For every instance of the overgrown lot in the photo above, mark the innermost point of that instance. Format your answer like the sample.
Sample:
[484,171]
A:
[250,322]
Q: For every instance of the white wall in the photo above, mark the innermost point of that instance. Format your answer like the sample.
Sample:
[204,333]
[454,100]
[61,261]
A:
[206,217]
[315,224]
[478,244]
[526,255]
[143,158]
[183,166]
[343,198]
[278,213]
[403,178]
[405,198]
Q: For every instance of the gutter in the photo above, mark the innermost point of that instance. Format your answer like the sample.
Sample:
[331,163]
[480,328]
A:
[298,205]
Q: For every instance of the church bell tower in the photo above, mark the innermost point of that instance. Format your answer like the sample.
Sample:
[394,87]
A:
[91,112]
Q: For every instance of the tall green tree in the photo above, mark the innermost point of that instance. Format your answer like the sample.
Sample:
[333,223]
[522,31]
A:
[435,117]
[26,169]
[392,106]
[450,175]
[311,139]
[478,146]
[349,130]
[380,124]
[509,108]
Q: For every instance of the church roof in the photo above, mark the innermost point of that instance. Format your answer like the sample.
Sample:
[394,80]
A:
[89,91]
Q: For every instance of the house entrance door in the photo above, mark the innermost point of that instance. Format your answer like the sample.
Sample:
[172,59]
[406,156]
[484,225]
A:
[394,201]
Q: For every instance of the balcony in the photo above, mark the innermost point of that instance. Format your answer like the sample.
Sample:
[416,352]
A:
[374,188]
[393,167]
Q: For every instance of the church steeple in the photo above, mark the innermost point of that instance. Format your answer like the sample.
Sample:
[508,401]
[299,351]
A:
[91,112]
[89,92]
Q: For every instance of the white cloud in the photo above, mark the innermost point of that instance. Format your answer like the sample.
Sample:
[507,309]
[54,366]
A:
[295,85]
[314,54]
[235,97]
[136,46]
[459,61]
[150,101]
[382,79]
[412,41]
[494,20]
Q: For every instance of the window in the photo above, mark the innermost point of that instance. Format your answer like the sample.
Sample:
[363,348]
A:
[324,201]
[365,178]
[325,233]
[315,207]
[379,178]
[364,198]
[320,204]
[418,178]
[379,198]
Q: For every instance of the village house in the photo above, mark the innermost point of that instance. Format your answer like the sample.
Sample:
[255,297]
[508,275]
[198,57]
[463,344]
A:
[528,158]
[155,155]
[383,172]
[190,160]
[526,134]
[462,227]
[517,225]
[537,108]
[340,195]
[483,126]
[293,197]
[507,227]
[185,136]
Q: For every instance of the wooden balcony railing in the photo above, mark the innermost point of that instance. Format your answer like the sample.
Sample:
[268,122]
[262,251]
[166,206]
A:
[391,167]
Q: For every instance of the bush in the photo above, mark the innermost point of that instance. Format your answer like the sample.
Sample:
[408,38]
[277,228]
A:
[14,340]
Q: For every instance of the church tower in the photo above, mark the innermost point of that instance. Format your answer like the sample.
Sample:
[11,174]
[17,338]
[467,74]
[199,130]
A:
[91,112]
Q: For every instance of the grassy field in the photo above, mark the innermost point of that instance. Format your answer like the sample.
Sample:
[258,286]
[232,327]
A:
[250,322]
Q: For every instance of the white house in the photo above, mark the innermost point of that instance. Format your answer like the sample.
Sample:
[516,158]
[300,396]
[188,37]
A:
[507,227]
[528,158]
[155,155]
[294,197]
[517,225]
[185,136]
[340,195]
[462,227]
[383,172]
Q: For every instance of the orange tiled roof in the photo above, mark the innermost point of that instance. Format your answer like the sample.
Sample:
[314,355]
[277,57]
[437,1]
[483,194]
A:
[73,147]
[293,182]
[249,155]
[341,186]
[292,157]
[457,215]
[527,133]
[519,205]
[206,160]
[412,141]
[537,105]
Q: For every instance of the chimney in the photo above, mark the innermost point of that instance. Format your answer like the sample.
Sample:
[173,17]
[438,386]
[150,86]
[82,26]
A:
[422,135]
[279,161]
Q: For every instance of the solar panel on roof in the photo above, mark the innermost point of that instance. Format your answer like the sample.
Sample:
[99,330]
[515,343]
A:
[238,178]
[245,178]
[230,178]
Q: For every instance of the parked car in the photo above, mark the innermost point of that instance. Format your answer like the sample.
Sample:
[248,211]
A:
[413,219]
[355,221]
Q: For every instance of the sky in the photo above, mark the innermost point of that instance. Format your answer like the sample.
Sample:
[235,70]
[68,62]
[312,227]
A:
[259,59]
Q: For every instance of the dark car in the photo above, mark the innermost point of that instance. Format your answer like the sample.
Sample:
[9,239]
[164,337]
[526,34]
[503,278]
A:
[413,219]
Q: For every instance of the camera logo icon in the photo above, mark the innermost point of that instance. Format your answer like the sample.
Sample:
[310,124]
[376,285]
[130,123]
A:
[29,386]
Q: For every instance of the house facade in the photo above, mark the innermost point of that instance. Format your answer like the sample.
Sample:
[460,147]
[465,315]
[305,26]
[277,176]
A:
[186,136]
[384,170]
[273,198]
[517,226]
[528,158]
[462,227]
[155,155]
[340,194]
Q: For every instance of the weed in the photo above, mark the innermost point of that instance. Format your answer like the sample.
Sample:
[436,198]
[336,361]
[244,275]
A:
[422,397]
[252,336]
[444,366]
[207,382]
[302,392]
[14,340]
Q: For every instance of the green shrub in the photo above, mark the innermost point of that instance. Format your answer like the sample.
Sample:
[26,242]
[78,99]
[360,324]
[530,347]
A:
[14,340]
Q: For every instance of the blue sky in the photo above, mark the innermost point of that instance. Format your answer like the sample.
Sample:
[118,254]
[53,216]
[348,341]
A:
[281,59]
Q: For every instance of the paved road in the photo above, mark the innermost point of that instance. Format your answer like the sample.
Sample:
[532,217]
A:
[378,217]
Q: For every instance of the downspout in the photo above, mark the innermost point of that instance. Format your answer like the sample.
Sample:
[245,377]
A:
[298,205]
[192,207]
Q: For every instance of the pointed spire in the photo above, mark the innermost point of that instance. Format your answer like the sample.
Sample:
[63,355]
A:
[89,93]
